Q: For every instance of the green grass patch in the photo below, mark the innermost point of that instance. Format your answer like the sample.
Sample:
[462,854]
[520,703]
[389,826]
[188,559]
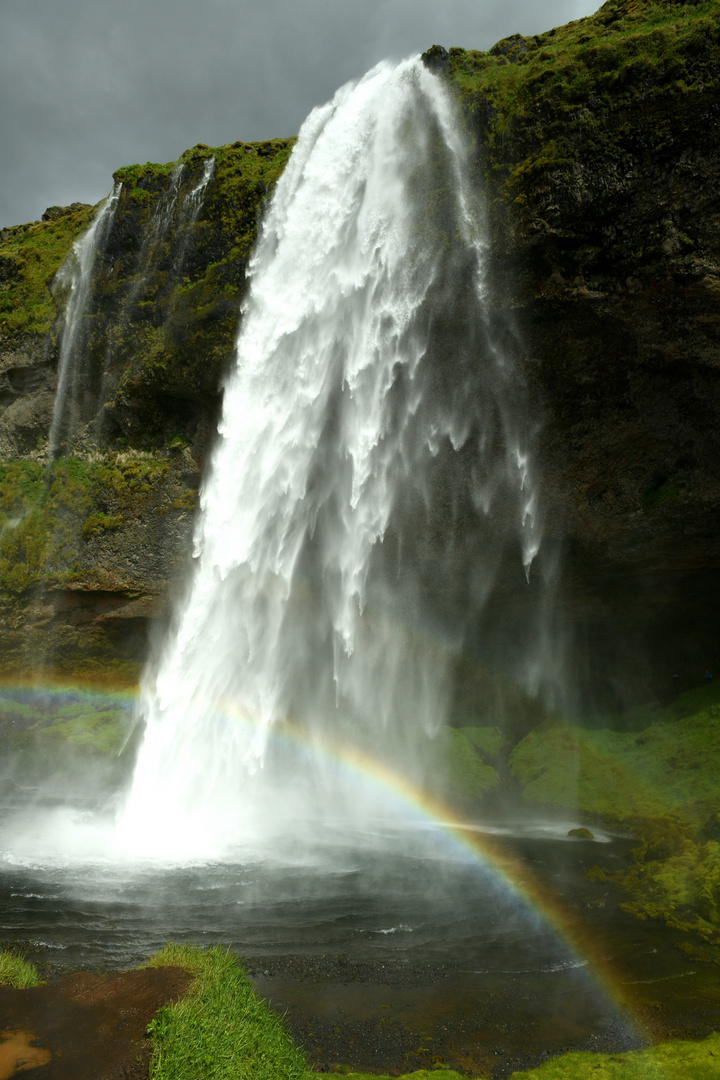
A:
[669,765]
[102,729]
[94,720]
[220,1029]
[464,771]
[421,1074]
[16,971]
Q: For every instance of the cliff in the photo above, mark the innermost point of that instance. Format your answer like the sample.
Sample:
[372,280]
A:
[91,541]
[600,145]
[597,143]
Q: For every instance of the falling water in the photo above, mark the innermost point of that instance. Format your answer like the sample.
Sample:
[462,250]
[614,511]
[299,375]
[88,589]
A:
[194,198]
[189,211]
[76,273]
[372,477]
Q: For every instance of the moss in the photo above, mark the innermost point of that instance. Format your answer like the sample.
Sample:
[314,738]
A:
[98,522]
[670,766]
[168,299]
[562,115]
[47,518]
[144,177]
[30,256]
[677,1060]
[462,770]
[656,775]
[93,719]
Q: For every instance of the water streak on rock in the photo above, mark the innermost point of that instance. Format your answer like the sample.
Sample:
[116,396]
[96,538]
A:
[76,274]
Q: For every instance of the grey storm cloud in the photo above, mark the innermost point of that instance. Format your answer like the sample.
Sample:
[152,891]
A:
[89,85]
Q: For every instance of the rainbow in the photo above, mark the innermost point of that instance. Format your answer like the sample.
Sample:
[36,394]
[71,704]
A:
[415,804]
[470,841]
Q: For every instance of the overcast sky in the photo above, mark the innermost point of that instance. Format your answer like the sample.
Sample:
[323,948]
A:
[89,85]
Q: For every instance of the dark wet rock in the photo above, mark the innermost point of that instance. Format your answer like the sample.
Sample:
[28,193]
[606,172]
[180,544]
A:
[54,212]
[436,59]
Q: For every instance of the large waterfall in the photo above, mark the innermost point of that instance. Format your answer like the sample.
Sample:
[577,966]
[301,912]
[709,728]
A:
[372,474]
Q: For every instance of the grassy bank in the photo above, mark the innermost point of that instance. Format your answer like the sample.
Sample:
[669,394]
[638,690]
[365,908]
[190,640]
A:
[221,1030]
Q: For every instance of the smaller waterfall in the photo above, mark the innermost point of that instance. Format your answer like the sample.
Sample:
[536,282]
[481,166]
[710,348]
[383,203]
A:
[188,215]
[77,273]
[194,198]
[156,232]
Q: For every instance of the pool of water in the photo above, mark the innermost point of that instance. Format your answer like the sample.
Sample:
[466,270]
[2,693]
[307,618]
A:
[390,947]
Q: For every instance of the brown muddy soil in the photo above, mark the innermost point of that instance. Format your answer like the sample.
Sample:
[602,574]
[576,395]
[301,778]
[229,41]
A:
[84,1026]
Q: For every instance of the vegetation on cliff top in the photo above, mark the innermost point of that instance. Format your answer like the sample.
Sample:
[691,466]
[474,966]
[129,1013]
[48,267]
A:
[166,306]
[557,115]
[541,101]
[30,256]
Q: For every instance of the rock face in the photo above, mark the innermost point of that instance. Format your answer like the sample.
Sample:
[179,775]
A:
[598,144]
[91,546]
[603,155]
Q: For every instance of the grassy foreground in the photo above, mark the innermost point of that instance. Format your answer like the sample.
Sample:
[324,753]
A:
[221,1030]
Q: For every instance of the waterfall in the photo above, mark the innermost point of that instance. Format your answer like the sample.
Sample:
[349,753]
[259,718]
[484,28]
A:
[372,478]
[76,274]
[194,198]
[189,211]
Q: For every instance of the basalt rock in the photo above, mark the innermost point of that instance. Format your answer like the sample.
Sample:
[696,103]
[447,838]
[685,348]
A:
[602,154]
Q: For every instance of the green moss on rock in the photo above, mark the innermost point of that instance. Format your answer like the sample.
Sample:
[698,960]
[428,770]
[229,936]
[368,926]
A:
[677,1060]
[659,778]
[464,771]
[30,256]
[544,102]
[171,302]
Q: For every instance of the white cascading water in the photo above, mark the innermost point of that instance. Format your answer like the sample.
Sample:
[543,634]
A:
[76,273]
[369,394]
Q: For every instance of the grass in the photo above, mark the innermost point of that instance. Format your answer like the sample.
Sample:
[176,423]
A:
[30,256]
[16,971]
[667,761]
[220,1029]
[464,771]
